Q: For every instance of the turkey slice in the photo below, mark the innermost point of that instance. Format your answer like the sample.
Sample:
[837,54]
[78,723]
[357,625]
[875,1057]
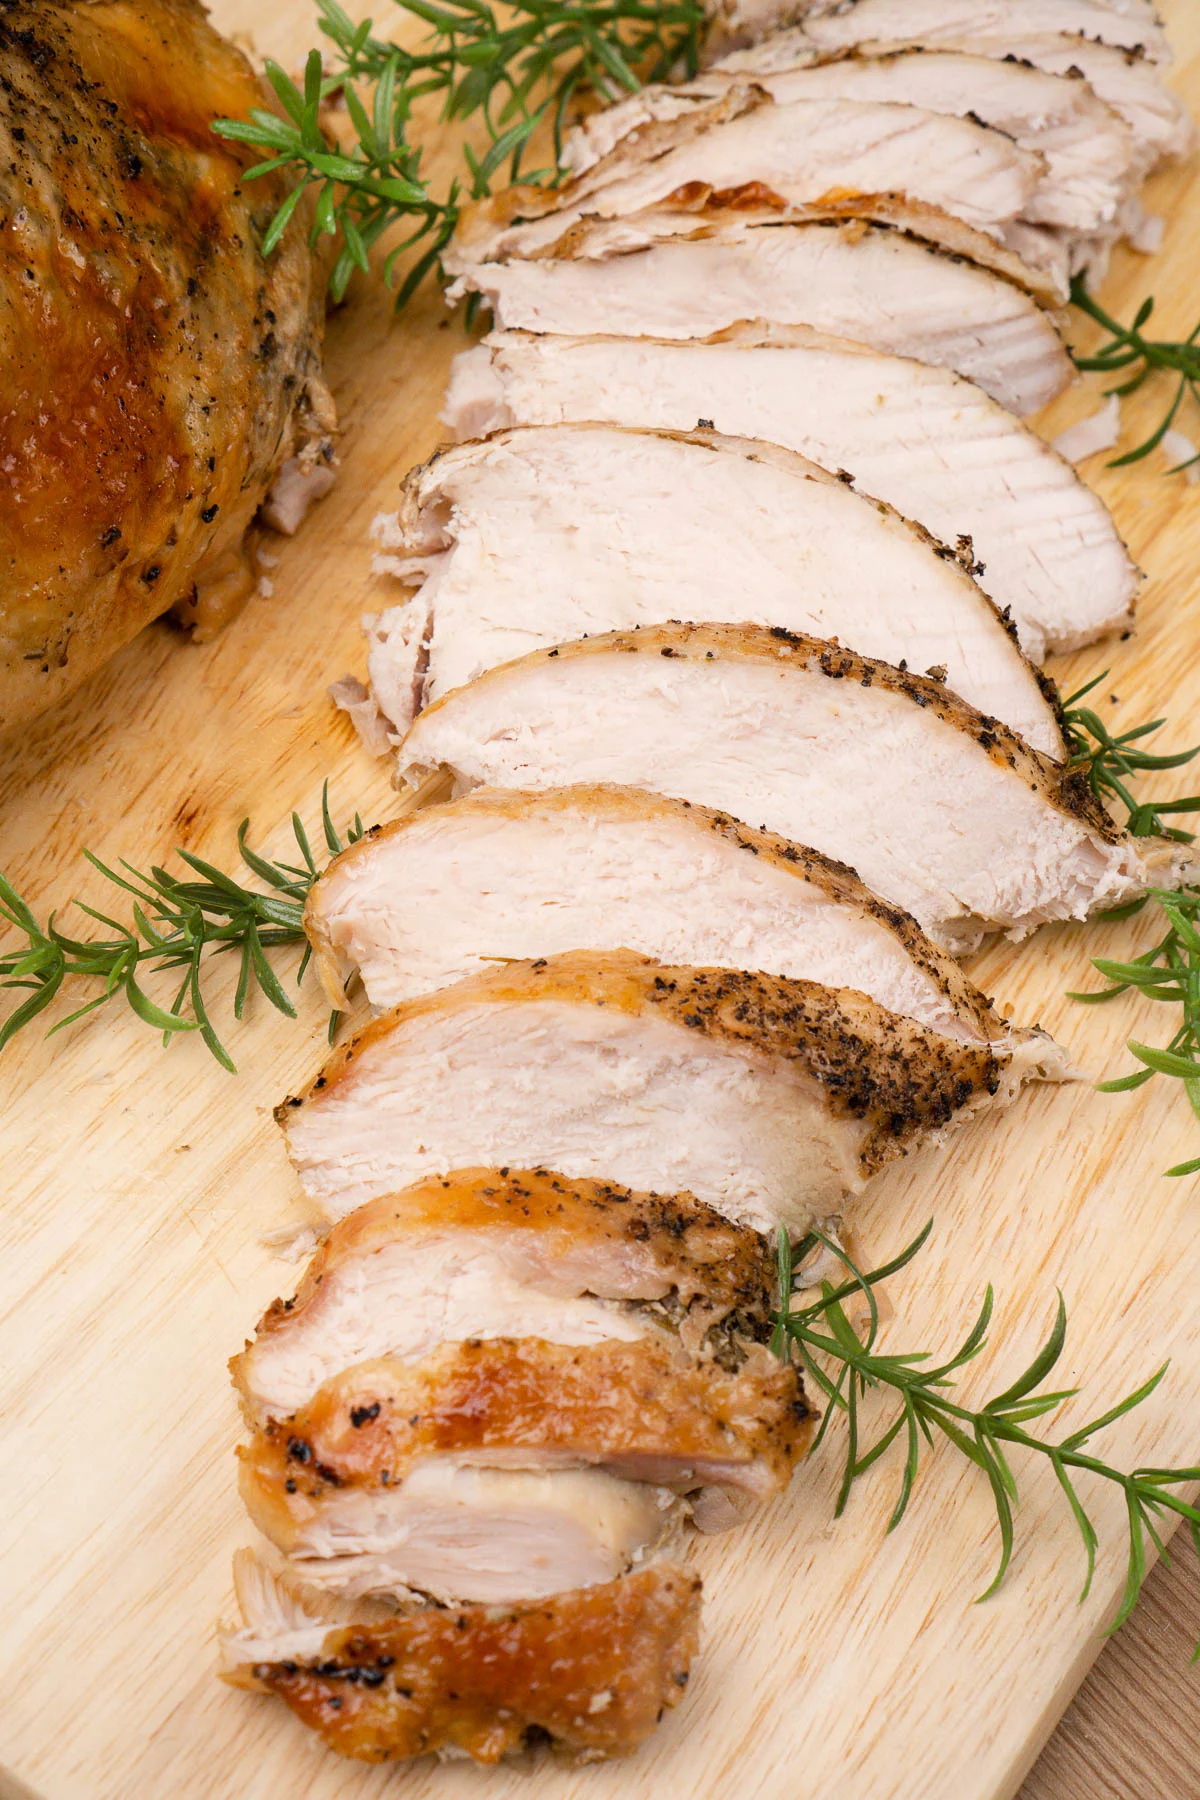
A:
[940,810]
[485,1254]
[593,1669]
[768,1099]
[1128,82]
[1047,279]
[495,876]
[928,443]
[878,286]
[1089,155]
[510,563]
[742,146]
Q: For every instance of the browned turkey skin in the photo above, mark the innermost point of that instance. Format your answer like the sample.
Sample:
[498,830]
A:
[155,370]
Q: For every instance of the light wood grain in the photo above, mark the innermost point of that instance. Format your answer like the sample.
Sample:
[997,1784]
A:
[839,1663]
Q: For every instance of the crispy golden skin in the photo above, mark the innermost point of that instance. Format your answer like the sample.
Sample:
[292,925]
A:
[640,1409]
[155,370]
[593,1669]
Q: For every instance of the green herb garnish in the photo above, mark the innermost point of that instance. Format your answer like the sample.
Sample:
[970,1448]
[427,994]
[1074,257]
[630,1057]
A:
[177,924]
[1131,354]
[845,1365]
[511,72]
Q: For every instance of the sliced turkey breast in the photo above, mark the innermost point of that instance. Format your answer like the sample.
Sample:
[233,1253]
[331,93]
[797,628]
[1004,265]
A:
[877,286]
[1133,27]
[743,145]
[927,442]
[495,875]
[1046,279]
[510,564]
[765,1098]
[593,1669]
[940,810]
[484,1254]
[1088,154]
[1127,81]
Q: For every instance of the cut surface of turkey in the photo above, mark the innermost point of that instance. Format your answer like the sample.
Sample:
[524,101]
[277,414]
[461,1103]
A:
[482,1254]
[744,146]
[510,564]
[1128,82]
[593,1669]
[493,875]
[456,1530]
[921,439]
[768,1099]
[1088,154]
[878,286]
[940,810]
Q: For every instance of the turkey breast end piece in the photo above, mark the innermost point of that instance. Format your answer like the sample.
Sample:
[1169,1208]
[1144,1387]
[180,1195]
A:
[592,1668]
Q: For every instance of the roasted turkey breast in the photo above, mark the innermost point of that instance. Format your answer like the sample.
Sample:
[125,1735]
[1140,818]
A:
[496,875]
[643,1410]
[768,1099]
[155,370]
[876,285]
[592,1669]
[921,439]
[939,809]
[508,564]
[485,1254]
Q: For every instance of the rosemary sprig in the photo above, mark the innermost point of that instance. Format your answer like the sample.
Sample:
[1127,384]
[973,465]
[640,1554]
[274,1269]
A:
[512,70]
[1112,762]
[845,1365]
[1170,970]
[1129,349]
[177,924]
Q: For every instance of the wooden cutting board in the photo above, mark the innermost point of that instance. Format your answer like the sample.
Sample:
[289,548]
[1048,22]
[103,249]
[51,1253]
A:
[839,1663]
